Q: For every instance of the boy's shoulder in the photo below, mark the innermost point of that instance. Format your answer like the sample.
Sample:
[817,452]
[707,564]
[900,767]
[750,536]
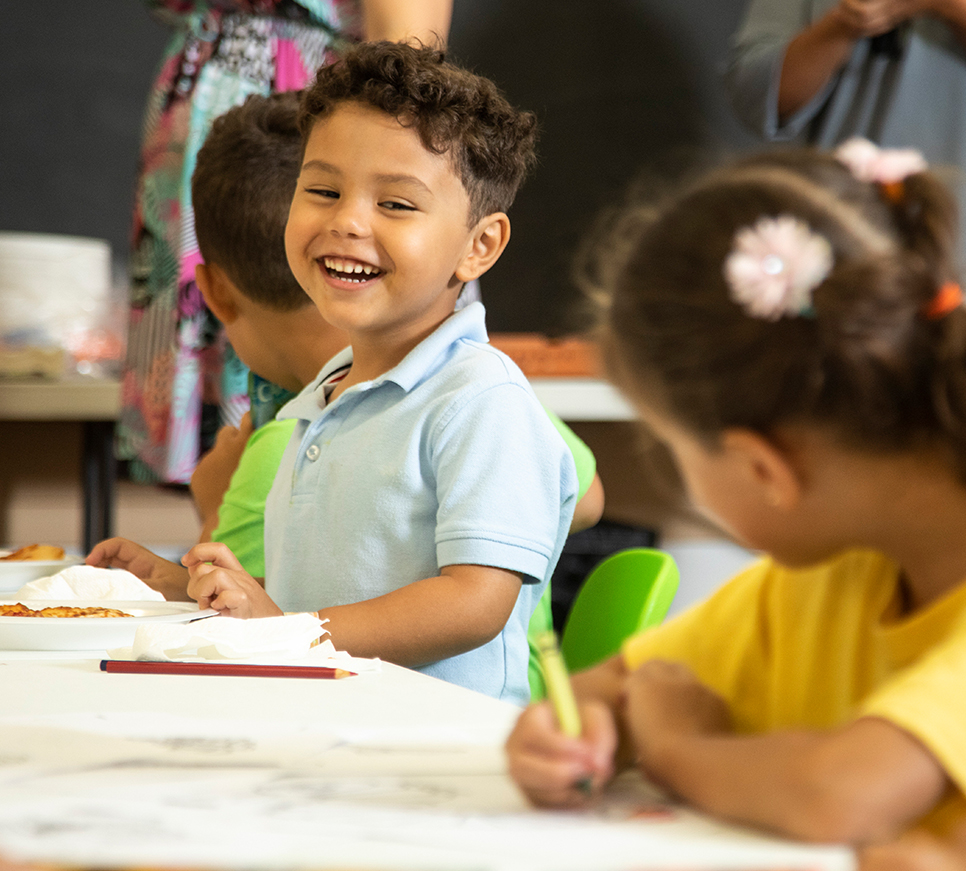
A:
[480,361]
[475,371]
[458,355]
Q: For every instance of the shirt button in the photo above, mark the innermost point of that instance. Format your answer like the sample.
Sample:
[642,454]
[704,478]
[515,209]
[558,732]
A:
[312,454]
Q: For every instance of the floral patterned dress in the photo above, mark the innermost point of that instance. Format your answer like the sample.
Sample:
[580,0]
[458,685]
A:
[181,380]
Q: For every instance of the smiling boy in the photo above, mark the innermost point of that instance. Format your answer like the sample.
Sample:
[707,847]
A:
[424,498]
[379,236]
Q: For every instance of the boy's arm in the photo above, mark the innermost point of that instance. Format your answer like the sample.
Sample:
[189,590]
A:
[462,608]
[212,476]
[590,489]
[589,508]
[404,626]
[860,783]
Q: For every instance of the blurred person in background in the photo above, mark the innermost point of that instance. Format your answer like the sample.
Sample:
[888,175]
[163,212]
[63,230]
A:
[182,380]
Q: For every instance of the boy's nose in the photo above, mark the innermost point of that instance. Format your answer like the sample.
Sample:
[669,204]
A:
[349,219]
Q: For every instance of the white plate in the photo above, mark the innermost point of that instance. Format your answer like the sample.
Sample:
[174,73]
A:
[89,633]
[15,573]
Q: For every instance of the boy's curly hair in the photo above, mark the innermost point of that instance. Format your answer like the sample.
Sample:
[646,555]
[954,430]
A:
[454,111]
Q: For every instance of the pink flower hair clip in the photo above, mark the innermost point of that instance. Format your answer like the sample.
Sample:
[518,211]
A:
[886,167]
[775,265]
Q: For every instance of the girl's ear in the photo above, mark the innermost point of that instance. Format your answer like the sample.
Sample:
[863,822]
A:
[767,467]
[490,237]
[218,291]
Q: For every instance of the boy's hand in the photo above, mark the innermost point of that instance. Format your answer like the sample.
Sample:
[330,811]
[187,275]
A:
[665,700]
[168,578]
[549,766]
[217,580]
[212,476]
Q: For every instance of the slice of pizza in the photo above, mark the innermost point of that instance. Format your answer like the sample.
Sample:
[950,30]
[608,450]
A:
[18,609]
[36,552]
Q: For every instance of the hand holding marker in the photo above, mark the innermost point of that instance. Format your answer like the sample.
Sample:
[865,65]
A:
[560,693]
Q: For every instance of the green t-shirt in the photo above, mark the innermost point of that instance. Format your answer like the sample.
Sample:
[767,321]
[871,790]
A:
[584,458]
[241,516]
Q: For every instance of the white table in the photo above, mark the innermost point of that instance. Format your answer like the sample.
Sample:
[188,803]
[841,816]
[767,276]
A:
[389,769]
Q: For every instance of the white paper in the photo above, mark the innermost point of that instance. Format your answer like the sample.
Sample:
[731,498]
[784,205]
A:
[266,640]
[131,794]
[89,582]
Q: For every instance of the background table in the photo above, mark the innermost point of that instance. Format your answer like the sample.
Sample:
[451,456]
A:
[582,399]
[96,403]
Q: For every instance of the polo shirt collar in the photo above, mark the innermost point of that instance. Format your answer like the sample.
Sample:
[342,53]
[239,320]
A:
[468,323]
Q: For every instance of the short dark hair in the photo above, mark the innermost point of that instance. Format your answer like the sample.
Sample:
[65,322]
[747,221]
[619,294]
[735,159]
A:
[241,190]
[454,111]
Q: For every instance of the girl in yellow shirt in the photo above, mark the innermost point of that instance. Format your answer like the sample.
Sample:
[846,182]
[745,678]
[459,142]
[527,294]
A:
[791,326]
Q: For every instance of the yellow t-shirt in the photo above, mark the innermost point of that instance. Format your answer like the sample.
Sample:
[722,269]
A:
[815,648]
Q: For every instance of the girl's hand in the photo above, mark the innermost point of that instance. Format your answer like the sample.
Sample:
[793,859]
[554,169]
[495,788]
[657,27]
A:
[217,580]
[917,851]
[665,700]
[554,770]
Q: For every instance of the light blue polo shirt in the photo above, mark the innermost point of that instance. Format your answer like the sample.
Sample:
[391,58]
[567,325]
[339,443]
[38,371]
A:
[446,459]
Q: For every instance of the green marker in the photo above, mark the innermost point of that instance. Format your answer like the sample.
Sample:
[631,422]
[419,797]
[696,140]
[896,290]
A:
[560,692]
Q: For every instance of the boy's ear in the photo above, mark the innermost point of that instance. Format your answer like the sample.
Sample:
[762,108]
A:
[218,291]
[767,467]
[489,239]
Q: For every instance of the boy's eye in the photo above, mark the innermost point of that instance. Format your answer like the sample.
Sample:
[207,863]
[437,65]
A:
[394,206]
[322,192]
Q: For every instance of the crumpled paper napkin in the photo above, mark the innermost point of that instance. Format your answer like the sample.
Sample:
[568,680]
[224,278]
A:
[90,582]
[264,640]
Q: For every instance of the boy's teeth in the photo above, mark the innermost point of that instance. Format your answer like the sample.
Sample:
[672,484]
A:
[346,268]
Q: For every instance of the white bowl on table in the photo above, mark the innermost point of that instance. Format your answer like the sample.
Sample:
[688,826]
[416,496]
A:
[15,573]
[90,633]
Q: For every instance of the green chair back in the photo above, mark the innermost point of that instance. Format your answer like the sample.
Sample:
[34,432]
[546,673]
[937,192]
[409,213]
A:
[625,593]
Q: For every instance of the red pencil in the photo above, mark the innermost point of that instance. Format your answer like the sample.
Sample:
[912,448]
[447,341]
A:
[237,669]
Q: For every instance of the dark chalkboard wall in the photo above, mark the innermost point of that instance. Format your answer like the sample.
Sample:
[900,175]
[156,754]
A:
[622,88]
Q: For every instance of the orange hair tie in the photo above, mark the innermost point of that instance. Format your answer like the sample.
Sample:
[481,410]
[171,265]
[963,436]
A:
[893,191]
[948,298]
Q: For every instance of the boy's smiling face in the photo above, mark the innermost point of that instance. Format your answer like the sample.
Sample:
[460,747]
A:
[377,233]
